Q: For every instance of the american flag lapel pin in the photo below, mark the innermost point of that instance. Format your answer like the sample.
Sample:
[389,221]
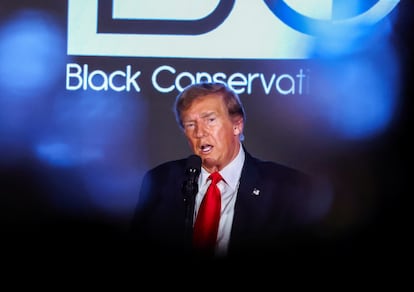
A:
[256,192]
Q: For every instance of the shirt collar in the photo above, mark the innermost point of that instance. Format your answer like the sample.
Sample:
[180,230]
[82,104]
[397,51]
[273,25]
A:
[231,173]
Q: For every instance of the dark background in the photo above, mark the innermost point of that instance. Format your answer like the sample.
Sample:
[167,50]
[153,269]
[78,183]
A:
[82,202]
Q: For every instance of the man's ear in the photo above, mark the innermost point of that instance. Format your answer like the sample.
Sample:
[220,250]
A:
[238,126]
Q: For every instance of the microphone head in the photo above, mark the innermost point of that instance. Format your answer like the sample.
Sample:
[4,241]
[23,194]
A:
[193,163]
[193,169]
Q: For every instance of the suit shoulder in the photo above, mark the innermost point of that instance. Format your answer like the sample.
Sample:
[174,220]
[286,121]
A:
[272,167]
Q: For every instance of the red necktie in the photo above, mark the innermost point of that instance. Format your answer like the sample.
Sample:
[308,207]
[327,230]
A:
[208,217]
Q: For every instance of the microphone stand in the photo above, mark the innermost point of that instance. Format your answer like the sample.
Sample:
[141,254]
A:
[189,189]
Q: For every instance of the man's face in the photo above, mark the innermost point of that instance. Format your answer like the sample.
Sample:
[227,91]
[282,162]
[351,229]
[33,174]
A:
[211,132]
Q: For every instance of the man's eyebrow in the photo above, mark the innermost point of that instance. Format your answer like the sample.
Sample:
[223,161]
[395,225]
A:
[207,114]
[203,116]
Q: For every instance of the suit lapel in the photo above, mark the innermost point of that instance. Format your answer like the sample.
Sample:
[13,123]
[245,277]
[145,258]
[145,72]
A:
[246,206]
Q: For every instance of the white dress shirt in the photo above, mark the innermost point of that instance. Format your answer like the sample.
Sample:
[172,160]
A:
[228,188]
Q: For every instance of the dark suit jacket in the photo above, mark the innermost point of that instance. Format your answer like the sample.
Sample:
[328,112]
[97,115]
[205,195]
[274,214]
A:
[275,219]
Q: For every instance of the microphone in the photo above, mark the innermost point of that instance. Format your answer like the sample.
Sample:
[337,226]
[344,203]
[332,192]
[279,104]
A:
[192,171]
[189,190]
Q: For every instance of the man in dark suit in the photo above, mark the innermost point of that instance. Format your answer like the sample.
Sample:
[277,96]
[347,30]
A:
[265,207]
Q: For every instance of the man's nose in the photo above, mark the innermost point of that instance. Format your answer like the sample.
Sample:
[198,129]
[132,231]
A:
[200,131]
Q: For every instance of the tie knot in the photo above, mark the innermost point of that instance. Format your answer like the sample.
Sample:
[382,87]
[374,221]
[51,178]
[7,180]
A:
[215,177]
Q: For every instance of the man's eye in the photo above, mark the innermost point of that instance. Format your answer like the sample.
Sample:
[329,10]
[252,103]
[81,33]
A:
[189,125]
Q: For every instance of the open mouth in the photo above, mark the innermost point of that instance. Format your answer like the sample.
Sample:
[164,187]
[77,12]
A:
[206,148]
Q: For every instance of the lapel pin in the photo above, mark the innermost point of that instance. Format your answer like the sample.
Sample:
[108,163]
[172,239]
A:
[256,192]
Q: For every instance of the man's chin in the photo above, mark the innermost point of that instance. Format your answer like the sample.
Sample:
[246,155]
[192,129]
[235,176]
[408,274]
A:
[209,163]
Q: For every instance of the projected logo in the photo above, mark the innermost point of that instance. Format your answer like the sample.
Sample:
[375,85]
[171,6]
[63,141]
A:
[330,14]
[159,18]
[211,28]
